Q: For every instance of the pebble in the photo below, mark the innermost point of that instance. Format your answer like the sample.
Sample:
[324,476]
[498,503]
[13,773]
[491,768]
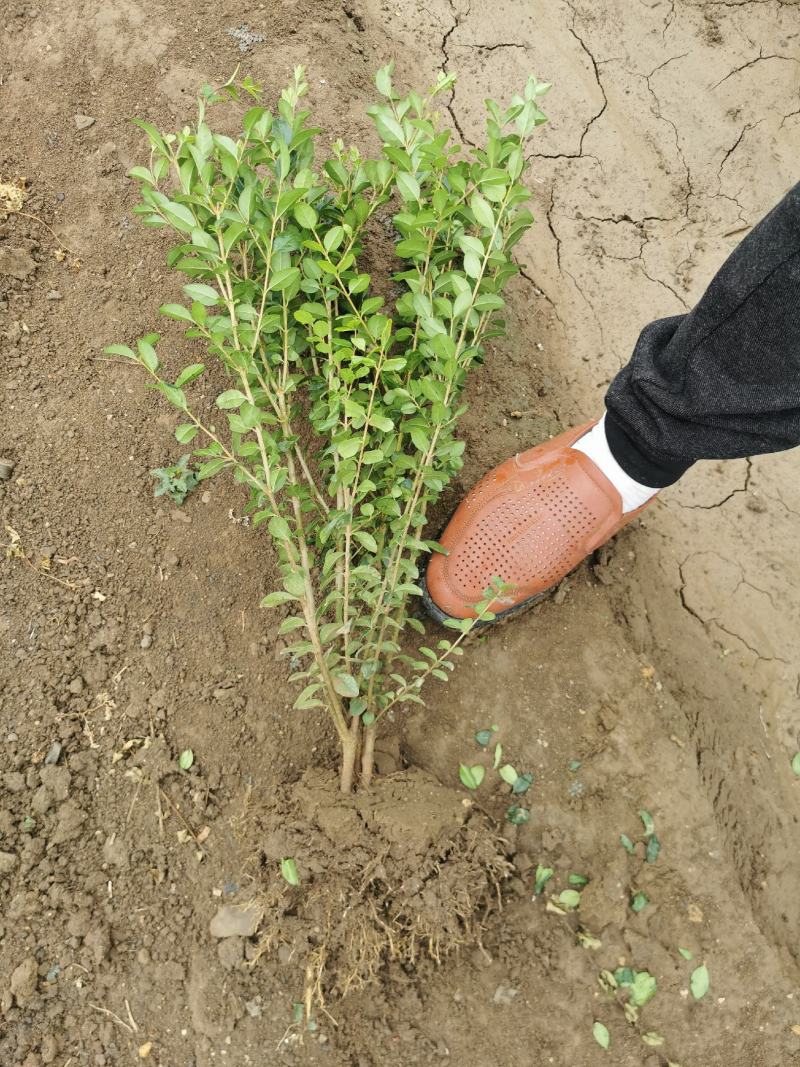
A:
[253,1008]
[231,921]
[146,641]
[54,295]
[8,861]
[505,994]
[54,754]
[83,122]
[206,497]
[6,469]
[76,686]
[23,979]
[171,559]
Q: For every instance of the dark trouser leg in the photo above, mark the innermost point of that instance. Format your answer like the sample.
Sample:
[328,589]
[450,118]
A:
[722,382]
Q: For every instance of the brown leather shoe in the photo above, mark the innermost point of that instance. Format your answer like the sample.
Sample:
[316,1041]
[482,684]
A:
[529,521]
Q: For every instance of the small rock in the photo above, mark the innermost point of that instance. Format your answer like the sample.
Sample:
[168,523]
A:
[8,861]
[233,921]
[146,641]
[24,979]
[6,470]
[76,686]
[505,994]
[253,1008]
[17,263]
[231,952]
[115,851]
[171,559]
[98,941]
[83,122]
[54,754]
[206,497]
[54,295]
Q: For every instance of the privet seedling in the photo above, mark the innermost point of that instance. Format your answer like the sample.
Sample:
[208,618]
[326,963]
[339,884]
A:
[340,412]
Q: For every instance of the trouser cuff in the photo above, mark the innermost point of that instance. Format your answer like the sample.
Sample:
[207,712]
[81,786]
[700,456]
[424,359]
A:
[637,463]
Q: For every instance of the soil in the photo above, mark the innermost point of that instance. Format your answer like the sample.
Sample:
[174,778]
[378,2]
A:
[663,676]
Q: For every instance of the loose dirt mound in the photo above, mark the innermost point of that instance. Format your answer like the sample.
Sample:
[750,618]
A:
[409,870]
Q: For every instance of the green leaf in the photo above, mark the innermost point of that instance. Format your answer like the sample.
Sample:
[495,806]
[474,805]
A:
[279,528]
[652,1039]
[333,238]
[293,583]
[578,879]
[482,211]
[795,760]
[647,822]
[471,777]
[305,215]
[643,988]
[345,685]
[120,350]
[483,737]
[185,433]
[408,186]
[518,816]
[188,374]
[543,876]
[186,759]
[176,311]
[282,279]
[289,872]
[366,540]
[232,398]
[383,79]
[508,774]
[147,354]
[639,902]
[653,849]
[686,953]
[601,1035]
[522,783]
[273,600]
[699,982]
[569,898]
[203,294]
[348,448]
[472,267]
[627,844]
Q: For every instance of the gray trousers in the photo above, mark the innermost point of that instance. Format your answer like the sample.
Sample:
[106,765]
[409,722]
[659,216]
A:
[723,381]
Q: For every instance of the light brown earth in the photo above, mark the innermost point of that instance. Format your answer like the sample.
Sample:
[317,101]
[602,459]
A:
[669,665]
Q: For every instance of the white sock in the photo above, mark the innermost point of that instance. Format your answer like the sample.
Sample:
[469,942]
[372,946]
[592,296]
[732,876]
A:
[594,444]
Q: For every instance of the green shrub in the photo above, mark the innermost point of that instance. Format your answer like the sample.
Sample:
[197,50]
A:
[341,412]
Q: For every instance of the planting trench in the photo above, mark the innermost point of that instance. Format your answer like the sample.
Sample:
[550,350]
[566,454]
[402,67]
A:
[666,667]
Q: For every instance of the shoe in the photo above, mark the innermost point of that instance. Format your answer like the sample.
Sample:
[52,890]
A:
[530,522]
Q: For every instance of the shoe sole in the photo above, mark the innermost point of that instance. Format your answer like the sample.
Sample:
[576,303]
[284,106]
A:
[441,617]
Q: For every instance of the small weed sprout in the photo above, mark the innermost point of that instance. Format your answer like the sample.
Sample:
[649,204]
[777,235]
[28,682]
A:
[176,481]
[340,412]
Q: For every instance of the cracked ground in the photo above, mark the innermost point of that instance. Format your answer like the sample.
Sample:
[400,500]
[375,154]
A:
[665,672]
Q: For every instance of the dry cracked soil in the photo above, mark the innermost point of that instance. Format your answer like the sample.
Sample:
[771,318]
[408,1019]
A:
[663,676]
